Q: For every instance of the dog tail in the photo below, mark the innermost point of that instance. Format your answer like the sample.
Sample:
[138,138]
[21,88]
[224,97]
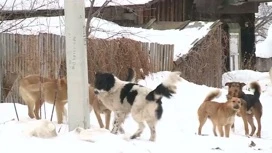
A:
[166,88]
[131,75]
[257,88]
[212,95]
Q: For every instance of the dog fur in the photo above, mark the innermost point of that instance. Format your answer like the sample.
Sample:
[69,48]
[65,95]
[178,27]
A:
[221,114]
[34,91]
[144,104]
[251,105]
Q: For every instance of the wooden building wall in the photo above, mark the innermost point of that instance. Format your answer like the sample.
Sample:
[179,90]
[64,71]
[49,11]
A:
[168,10]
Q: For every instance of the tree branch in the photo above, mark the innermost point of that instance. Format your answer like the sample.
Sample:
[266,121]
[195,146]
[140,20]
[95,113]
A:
[91,14]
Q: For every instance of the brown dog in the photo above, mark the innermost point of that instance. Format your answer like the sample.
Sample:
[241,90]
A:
[221,114]
[31,85]
[251,105]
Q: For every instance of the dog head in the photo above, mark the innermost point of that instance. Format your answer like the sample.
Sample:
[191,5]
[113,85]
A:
[235,103]
[104,82]
[235,89]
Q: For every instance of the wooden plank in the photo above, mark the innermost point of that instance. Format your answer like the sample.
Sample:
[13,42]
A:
[181,10]
[162,57]
[166,58]
[172,9]
[184,10]
[159,57]
[151,48]
[163,11]
[172,56]
[153,54]
[1,66]
[41,50]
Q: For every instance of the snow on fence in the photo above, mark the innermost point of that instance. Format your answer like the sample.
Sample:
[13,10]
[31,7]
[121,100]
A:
[44,54]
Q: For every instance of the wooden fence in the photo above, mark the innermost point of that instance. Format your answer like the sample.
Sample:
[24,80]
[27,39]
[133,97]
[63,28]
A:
[43,54]
[161,56]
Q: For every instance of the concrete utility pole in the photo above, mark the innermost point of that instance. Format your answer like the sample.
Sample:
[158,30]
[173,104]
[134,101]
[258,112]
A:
[76,63]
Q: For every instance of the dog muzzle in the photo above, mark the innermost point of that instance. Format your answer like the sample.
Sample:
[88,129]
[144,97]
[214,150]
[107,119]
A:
[236,107]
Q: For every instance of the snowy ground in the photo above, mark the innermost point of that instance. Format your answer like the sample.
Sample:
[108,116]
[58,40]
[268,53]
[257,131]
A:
[176,132]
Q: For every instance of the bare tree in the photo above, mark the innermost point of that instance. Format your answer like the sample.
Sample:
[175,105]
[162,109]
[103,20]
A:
[11,7]
[263,21]
[92,13]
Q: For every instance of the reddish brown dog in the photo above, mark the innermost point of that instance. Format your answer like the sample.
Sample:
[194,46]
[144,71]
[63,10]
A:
[251,105]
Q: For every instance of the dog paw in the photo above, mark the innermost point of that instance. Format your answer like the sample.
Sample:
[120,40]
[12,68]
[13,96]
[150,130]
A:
[133,137]
[152,139]
[113,131]
[122,131]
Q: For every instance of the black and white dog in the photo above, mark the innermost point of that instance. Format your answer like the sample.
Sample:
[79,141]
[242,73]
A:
[143,103]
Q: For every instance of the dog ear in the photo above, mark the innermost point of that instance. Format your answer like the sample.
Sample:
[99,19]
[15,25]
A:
[228,84]
[242,84]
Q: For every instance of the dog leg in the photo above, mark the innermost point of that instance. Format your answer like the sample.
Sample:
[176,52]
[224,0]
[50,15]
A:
[227,130]
[107,118]
[233,127]
[214,130]
[251,123]
[96,109]
[59,111]
[30,107]
[119,119]
[257,111]
[98,117]
[138,133]
[259,127]
[152,128]
[202,121]
[38,105]
[245,120]
[221,132]
[121,130]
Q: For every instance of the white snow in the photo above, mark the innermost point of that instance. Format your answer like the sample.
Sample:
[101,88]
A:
[183,40]
[264,48]
[176,131]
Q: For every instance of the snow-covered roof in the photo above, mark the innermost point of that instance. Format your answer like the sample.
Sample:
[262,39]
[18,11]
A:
[56,4]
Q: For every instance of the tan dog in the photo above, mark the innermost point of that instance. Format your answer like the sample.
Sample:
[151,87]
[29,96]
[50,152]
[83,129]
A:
[29,89]
[251,105]
[99,108]
[221,114]
[35,91]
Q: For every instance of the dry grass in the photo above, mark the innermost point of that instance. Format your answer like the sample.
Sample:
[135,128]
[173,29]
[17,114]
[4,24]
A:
[205,62]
